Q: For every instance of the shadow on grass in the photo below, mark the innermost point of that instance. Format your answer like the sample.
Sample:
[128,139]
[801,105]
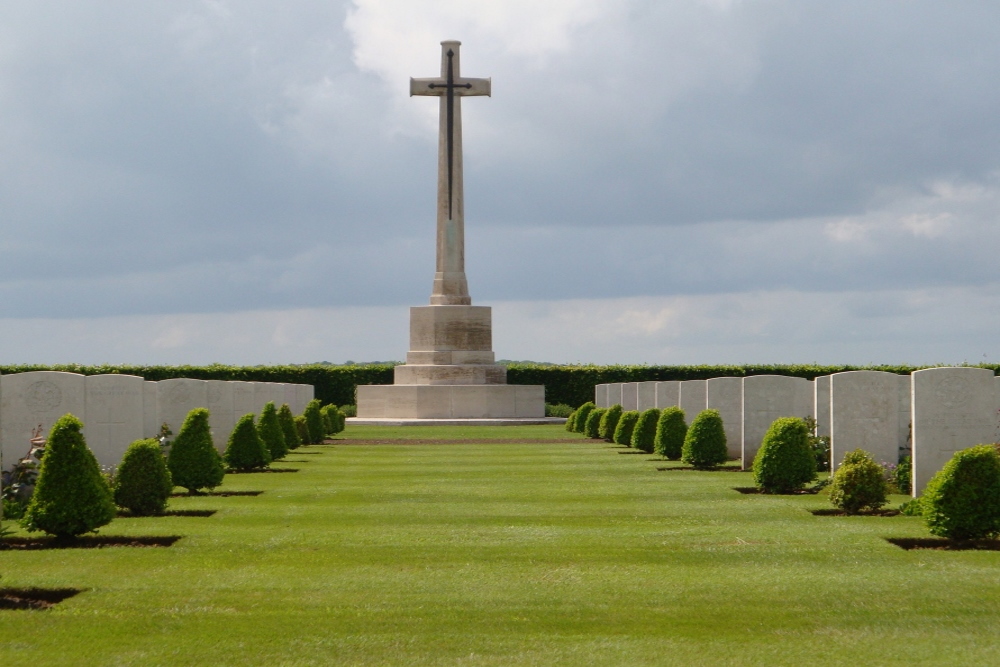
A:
[839,512]
[85,542]
[260,470]
[719,469]
[35,598]
[297,452]
[944,544]
[122,514]
[216,494]
[752,490]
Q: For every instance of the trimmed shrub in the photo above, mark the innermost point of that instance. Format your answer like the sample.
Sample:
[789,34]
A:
[609,422]
[558,410]
[623,432]
[859,484]
[194,462]
[593,427]
[302,429]
[962,501]
[245,450]
[143,482]
[785,462]
[269,430]
[314,421]
[287,421]
[645,430]
[333,419]
[902,476]
[71,496]
[705,442]
[671,429]
[580,418]
[569,421]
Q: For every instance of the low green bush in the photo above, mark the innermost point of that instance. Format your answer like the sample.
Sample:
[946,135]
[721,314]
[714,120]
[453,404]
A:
[570,422]
[194,463]
[820,445]
[859,484]
[71,496]
[245,450]
[645,430]
[903,475]
[558,410]
[314,421]
[287,421]
[705,442]
[143,482]
[623,432]
[785,462]
[580,418]
[593,427]
[269,430]
[349,410]
[333,419]
[671,429]
[302,429]
[962,501]
[609,422]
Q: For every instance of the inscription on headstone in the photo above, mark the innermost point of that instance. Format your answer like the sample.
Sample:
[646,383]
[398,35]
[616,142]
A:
[767,398]
[864,414]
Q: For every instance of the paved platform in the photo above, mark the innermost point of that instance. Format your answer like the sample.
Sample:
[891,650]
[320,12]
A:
[529,421]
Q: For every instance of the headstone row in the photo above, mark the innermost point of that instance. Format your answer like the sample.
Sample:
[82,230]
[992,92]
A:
[119,409]
[929,414]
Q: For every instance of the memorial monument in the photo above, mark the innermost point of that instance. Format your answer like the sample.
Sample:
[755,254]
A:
[450,371]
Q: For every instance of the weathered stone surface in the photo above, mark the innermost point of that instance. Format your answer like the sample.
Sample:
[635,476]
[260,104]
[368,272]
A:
[864,414]
[693,398]
[767,398]
[451,401]
[177,397]
[306,393]
[726,396]
[221,412]
[953,409]
[470,374]
[821,405]
[37,398]
[150,414]
[614,394]
[113,415]
[630,395]
[244,401]
[646,397]
[668,393]
[601,395]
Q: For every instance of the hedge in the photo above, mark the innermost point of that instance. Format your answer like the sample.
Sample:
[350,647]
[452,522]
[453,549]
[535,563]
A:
[570,385]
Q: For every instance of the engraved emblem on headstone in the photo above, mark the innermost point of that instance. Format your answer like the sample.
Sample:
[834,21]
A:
[953,392]
[179,393]
[42,396]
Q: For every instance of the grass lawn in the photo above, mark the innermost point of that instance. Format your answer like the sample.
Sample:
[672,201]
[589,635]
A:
[505,554]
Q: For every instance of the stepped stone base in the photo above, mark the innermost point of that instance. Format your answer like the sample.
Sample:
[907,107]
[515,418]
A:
[527,421]
[459,401]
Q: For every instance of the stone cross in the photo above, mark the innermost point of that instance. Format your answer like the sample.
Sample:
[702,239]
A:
[450,285]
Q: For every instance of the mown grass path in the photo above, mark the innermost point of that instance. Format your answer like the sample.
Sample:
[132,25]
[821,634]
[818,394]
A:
[505,554]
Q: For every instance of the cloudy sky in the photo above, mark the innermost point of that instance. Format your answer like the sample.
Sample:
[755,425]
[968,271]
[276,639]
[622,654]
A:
[653,181]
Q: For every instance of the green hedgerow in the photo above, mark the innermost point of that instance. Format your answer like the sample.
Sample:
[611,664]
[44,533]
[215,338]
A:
[962,501]
[245,450]
[143,482]
[314,421]
[859,484]
[71,496]
[580,419]
[671,429]
[623,432]
[302,429]
[785,462]
[705,442]
[287,421]
[269,429]
[194,462]
[609,422]
[593,427]
[645,430]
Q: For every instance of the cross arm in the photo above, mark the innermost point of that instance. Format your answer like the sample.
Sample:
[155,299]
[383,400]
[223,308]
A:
[433,86]
[469,87]
[461,86]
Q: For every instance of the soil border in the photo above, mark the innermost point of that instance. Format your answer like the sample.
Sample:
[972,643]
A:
[35,598]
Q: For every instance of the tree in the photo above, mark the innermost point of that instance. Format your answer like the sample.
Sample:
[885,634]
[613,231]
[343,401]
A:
[859,484]
[194,462]
[671,429]
[314,421]
[143,483]
[245,450]
[269,429]
[287,421]
[645,430]
[609,422]
[785,462]
[705,442]
[962,501]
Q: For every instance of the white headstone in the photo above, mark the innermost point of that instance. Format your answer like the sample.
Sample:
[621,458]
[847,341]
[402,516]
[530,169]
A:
[36,398]
[767,398]
[864,414]
[150,416]
[646,396]
[601,396]
[176,397]
[726,396]
[693,398]
[113,415]
[614,394]
[953,409]
[221,416]
[821,405]
[668,393]
[243,399]
[306,394]
[630,396]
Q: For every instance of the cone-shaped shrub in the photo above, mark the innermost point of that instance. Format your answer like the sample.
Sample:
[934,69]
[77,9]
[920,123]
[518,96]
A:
[143,483]
[962,501]
[785,462]
[269,430]
[705,442]
[194,462]
[623,432]
[302,429]
[609,422]
[71,496]
[592,429]
[570,421]
[859,484]
[333,419]
[246,451]
[645,430]
[287,421]
[580,420]
[671,429]
[314,421]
